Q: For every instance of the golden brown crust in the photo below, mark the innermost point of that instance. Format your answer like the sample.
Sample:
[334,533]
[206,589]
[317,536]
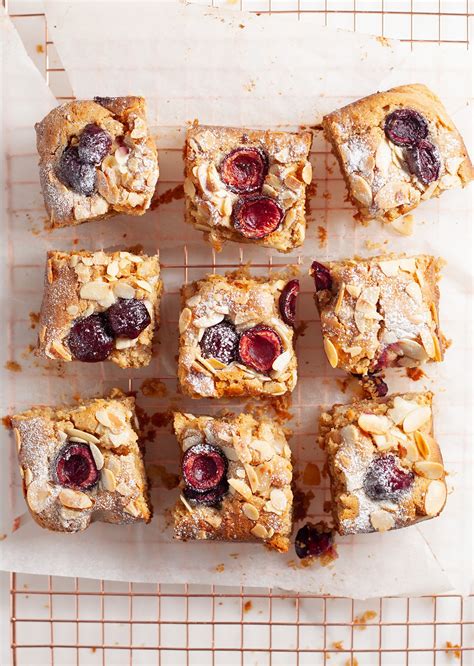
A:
[209,203]
[125,180]
[378,180]
[78,284]
[400,426]
[107,426]
[258,505]
[381,312]
[245,301]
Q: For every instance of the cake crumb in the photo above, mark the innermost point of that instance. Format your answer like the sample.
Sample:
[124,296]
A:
[154,387]
[301,503]
[327,506]
[322,237]
[311,475]
[453,650]
[383,40]
[415,373]
[343,384]
[220,568]
[370,245]
[12,366]
[39,48]
[7,422]
[247,606]
[338,645]
[34,319]
[360,621]
[352,661]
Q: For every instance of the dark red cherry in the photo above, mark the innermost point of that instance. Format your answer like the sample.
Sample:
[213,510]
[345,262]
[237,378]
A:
[220,342]
[243,170]
[259,347]
[94,144]
[405,127]
[321,275]
[127,318]
[208,497]
[385,479]
[90,340]
[74,173]
[287,301]
[424,161]
[75,467]
[313,541]
[257,216]
[204,467]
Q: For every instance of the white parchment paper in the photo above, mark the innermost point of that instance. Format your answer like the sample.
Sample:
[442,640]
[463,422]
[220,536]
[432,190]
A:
[231,68]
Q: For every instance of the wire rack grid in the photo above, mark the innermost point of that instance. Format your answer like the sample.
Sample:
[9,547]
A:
[78,621]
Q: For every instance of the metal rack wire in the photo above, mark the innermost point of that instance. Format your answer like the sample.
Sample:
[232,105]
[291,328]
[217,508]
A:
[76,621]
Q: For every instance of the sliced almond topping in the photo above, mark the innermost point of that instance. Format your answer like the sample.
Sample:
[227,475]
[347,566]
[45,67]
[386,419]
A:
[184,320]
[415,419]
[382,520]
[374,423]
[110,418]
[381,442]
[354,289]
[125,343]
[38,495]
[16,434]
[413,289]
[241,487]
[124,290]
[60,350]
[186,503]
[278,499]
[360,190]
[74,499]
[143,284]
[407,264]
[435,498]
[383,156]
[389,268]
[429,469]
[97,455]
[411,451]
[412,349]
[259,531]
[123,489]
[401,408]
[438,356]
[216,364]
[211,319]
[331,352]
[340,298]
[307,173]
[94,291]
[230,453]
[423,443]
[119,438]
[27,475]
[252,477]
[250,511]
[427,342]
[82,435]
[113,268]
[132,509]
[282,361]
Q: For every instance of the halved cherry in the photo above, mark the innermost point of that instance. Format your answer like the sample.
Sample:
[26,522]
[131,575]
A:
[313,540]
[321,275]
[75,467]
[220,342]
[405,127]
[204,467]
[259,347]
[287,301]
[243,170]
[128,317]
[208,497]
[424,161]
[385,479]
[257,216]
[90,340]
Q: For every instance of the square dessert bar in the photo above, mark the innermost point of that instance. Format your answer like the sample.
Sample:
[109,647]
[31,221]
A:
[236,480]
[96,158]
[100,306]
[385,467]
[236,336]
[247,185]
[396,149]
[82,463]
[379,312]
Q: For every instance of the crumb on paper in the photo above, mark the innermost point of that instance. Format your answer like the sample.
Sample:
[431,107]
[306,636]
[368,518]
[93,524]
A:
[247,606]
[154,387]
[338,645]
[415,374]
[322,236]
[383,40]
[39,48]
[352,661]
[327,195]
[93,650]
[16,523]
[327,506]
[3,537]
[28,351]
[34,319]
[453,650]
[404,225]
[311,475]
[360,621]
[301,503]
[12,366]
[160,476]
[167,197]
[7,422]
[343,384]
[370,245]
[234,556]
[220,568]
[250,85]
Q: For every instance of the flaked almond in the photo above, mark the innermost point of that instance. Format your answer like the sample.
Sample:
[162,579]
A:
[110,418]
[435,498]
[427,342]
[393,194]
[381,442]
[407,264]
[340,298]
[429,191]
[413,289]
[133,509]
[252,477]
[113,268]
[74,499]
[186,503]
[250,511]
[423,443]
[184,319]
[354,289]
[259,531]
[278,499]
[381,520]
[189,188]
[82,435]
[95,290]
[16,434]
[27,476]
[124,489]
[383,156]
[360,190]
[417,418]
[230,453]
[331,352]
[211,319]
[429,469]
[307,173]
[411,451]
[108,480]
[389,268]
[143,284]
[282,361]
[38,495]
[373,423]
[401,408]
[97,455]
[125,343]
[403,225]
[119,438]
[241,487]
[413,349]
[438,356]
[123,290]
[60,350]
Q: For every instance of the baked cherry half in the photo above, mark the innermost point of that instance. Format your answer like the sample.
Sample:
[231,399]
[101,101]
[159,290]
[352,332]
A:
[385,479]
[75,467]
[243,170]
[94,144]
[79,176]
[208,497]
[424,161]
[321,275]
[405,127]
[287,301]
[204,467]
[90,340]
[127,318]
[313,541]
[259,347]
[220,342]
[257,216]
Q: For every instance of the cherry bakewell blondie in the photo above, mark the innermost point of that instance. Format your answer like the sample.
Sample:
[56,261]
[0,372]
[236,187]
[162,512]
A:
[100,306]
[379,312]
[236,336]
[82,463]
[396,149]
[96,158]
[236,480]
[386,469]
[247,185]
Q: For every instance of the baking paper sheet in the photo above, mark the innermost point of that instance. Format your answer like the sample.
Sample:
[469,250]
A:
[231,68]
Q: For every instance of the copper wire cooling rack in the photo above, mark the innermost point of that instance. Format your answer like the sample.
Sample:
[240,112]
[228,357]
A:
[77,621]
